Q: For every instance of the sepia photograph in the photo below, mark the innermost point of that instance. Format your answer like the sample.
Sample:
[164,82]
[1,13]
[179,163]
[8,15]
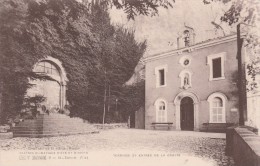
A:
[129,82]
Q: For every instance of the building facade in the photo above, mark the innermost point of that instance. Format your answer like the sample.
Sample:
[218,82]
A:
[193,87]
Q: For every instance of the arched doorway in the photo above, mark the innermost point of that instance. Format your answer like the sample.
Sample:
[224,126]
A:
[49,88]
[187,114]
[53,90]
[193,103]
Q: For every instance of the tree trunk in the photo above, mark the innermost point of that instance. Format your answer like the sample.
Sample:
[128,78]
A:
[105,98]
[1,103]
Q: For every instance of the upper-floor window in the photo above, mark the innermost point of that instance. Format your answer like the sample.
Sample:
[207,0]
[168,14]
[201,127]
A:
[161,77]
[217,65]
[160,73]
[46,67]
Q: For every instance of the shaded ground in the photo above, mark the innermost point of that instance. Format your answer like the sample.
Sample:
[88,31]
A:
[182,147]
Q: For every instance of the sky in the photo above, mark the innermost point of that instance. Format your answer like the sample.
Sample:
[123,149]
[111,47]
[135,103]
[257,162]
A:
[161,31]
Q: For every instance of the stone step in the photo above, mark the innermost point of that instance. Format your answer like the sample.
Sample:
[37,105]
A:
[61,120]
[52,125]
[25,125]
[82,126]
[26,128]
[58,130]
[37,121]
[54,134]
[27,133]
[30,123]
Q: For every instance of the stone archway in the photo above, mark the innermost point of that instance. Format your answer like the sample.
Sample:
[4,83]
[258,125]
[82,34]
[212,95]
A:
[54,90]
[177,103]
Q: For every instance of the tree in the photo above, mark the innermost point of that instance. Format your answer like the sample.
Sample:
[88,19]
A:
[134,8]
[15,67]
[32,103]
[246,13]
[90,49]
[119,54]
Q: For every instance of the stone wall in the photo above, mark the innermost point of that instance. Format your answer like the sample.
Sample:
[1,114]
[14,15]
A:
[111,125]
[244,146]
[253,113]
[139,119]
[53,124]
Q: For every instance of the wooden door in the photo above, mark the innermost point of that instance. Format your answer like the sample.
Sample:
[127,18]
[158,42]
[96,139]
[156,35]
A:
[187,114]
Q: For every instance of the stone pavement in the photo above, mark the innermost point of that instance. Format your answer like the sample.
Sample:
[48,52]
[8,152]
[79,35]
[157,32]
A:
[179,147]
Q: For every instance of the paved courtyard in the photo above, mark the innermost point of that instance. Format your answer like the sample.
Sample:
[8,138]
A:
[131,145]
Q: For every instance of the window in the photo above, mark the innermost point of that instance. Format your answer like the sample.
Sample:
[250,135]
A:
[160,73]
[216,67]
[217,108]
[162,77]
[185,61]
[161,114]
[216,63]
[46,67]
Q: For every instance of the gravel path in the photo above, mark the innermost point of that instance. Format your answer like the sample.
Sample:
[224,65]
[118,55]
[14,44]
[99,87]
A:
[188,146]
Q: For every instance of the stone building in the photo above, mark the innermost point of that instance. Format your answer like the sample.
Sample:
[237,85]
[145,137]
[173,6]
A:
[193,87]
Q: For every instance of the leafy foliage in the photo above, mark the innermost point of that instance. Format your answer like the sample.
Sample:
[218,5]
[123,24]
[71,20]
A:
[115,63]
[246,13]
[252,71]
[32,102]
[91,50]
[135,7]
[252,44]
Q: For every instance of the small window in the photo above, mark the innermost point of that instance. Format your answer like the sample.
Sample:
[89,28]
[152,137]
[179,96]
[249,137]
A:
[216,67]
[160,74]
[185,61]
[162,77]
[216,64]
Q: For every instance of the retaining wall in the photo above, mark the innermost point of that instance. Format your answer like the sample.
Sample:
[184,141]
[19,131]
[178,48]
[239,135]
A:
[111,125]
[244,146]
